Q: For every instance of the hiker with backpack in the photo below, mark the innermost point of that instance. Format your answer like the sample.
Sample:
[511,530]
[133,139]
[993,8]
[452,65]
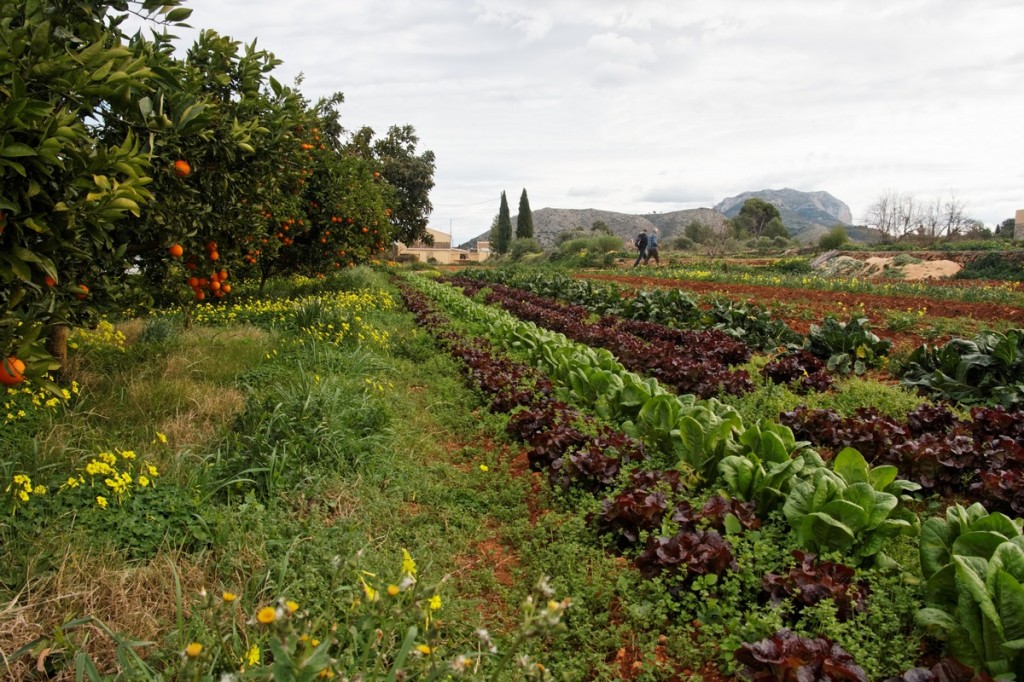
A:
[641,246]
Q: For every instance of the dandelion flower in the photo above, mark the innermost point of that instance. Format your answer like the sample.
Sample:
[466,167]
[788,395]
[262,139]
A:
[101,501]
[291,606]
[267,615]
[484,467]
[252,657]
[393,590]
[193,649]
[423,649]
[228,596]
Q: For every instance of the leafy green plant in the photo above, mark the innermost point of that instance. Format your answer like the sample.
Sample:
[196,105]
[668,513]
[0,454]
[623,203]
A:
[988,369]
[852,508]
[771,461]
[847,346]
[964,532]
[985,627]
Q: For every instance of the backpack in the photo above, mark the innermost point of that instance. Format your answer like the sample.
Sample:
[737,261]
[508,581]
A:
[636,242]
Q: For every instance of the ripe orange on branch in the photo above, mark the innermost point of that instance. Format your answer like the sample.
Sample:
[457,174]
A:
[176,250]
[182,169]
[12,371]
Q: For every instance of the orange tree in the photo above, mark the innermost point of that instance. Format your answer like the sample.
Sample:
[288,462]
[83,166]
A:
[220,133]
[63,193]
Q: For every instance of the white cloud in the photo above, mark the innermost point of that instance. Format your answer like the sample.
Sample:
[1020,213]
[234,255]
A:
[638,105]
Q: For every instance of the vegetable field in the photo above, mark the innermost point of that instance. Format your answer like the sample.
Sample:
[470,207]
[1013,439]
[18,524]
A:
[516,474]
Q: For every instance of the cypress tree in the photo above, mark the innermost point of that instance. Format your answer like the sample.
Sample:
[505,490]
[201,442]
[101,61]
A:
[524,221]
[503,233]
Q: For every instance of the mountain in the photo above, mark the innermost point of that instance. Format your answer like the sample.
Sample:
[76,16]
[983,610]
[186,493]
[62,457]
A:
[806,215]
[548,223]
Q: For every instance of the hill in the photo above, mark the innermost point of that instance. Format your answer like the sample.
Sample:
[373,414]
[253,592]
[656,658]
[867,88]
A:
[549,223]
[806,215]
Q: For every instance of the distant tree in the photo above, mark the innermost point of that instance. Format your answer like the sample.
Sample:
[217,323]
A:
[699,232]
[756,216]
[410,177]
[834,238]
[942,218]
[502,237]
[895,215]
[601,226]
[524,221]
[1004,230]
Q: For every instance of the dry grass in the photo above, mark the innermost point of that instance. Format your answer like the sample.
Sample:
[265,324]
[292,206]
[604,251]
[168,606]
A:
[138,601]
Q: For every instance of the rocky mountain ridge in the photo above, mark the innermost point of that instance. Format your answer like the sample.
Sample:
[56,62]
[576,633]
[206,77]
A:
[806,215]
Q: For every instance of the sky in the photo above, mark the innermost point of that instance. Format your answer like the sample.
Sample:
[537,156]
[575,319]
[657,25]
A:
[643,106]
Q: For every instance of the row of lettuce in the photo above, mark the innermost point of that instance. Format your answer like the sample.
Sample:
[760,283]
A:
[683,482]
[986,369]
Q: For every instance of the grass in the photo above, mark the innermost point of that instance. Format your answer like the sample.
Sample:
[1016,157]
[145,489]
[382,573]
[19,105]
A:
[293,452]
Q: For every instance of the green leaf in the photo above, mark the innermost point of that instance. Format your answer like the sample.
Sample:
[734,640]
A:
[826,531]
[934,549]
[880,477]
[178,14]
[851,465]
[977,544]
[17,149]
[1009,599]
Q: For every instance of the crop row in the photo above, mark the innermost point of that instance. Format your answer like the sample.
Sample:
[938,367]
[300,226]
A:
[579,451]
[847,506]
[987,369]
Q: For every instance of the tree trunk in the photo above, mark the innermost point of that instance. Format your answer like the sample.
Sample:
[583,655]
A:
[57,346]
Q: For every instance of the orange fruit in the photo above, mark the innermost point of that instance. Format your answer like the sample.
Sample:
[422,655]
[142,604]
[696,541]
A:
[214,255]
[82,293]
[200,295]
[50,281]
[176,250]
[181,168]
[12,371]
[226,288]
[222,275]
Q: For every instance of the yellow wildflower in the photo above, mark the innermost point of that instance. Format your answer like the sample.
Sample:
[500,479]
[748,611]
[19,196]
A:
[267,615]
[484,468]
[423,649]
[292,606]
[435,602]
[193,649]
[408,565]
[229,596]
[393,590]
[101,501]
[252,657]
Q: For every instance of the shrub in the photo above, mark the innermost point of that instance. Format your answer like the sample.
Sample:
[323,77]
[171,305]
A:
[524,246]
[834,238]
[682,243]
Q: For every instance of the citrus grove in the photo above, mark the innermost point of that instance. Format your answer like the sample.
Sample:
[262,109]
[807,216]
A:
[131,176]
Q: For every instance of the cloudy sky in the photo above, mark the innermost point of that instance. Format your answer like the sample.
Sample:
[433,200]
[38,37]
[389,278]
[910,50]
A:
[657,105]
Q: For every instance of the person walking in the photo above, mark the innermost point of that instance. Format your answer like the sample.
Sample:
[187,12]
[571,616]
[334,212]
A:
[641,246]
[652,248]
